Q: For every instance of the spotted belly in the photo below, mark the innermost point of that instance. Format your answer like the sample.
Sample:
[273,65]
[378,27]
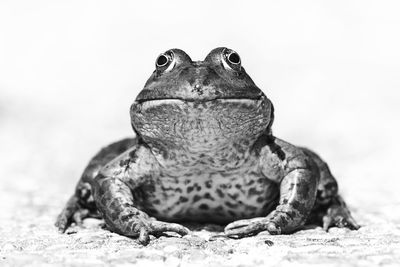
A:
[208,197]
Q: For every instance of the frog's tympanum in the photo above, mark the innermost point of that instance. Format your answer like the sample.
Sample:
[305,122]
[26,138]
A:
[204,152]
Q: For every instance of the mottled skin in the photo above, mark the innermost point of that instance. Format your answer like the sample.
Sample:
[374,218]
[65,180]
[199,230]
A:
[205,152]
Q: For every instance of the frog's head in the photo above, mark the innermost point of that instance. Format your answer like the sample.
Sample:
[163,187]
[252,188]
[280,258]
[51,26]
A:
[200,103]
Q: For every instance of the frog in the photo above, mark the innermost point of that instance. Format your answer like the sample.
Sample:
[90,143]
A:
[203,151]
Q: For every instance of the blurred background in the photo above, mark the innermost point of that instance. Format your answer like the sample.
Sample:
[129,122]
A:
[69,71]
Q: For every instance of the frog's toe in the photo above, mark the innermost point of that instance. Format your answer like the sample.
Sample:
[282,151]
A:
[158,228]
[250,227]
[145,228]
[339,216]
[242,223]
[66,218]
[144,236]
[79,216]
[73,212]
[62,223]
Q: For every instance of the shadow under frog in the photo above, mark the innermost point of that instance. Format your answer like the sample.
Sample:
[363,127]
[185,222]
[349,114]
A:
[204,152]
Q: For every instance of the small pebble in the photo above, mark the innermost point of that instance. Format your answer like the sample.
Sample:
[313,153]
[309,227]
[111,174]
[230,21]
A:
[269,243]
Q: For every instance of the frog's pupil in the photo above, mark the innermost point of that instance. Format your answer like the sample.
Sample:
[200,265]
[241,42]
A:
[234,58]
[162,60]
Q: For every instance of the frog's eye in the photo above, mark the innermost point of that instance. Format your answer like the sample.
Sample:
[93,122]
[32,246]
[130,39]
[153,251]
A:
[162,60]
[231,60]
[165,61]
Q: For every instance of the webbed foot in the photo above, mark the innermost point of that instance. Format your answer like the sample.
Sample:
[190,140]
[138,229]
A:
[250,227]
[73,213]
[143,228]
[338,215]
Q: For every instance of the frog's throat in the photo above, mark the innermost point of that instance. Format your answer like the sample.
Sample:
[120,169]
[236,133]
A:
[173,126]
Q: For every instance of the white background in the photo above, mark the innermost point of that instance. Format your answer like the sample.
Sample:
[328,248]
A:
[69,71]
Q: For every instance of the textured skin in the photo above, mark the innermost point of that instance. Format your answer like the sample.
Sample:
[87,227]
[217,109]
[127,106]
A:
[205,152]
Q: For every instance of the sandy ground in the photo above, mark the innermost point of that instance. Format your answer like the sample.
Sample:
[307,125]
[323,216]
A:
[69,72]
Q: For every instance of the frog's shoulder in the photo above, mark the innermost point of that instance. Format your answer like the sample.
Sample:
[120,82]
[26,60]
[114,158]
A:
[278,157]
[271,146]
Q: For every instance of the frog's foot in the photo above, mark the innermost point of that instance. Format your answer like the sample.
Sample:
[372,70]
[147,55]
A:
[250,227]
[72,213]
[338,215]
[143,228]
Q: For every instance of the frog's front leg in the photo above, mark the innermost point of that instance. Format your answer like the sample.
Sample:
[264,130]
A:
[298,191]
[298,180]
[114,199]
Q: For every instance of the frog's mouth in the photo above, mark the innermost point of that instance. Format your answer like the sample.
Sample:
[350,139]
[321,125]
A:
[150,103]
[141,100]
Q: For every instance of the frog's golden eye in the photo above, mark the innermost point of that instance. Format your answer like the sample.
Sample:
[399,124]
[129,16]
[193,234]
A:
[165,61]
[231,59]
